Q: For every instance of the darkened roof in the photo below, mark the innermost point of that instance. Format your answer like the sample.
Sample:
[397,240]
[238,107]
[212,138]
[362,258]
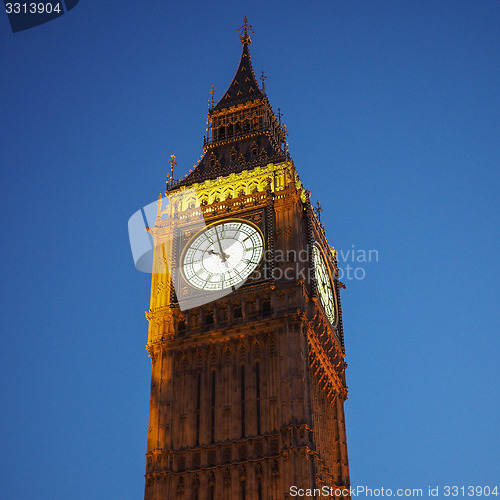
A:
[244,87]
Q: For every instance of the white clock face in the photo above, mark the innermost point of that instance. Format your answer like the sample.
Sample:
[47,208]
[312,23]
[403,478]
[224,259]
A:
[324,284]
[222,255]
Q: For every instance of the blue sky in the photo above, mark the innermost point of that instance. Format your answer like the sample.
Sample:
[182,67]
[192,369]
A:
[393,114]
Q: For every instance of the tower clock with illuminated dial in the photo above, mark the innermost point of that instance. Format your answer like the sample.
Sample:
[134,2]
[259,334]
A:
[222,255]
[324,284]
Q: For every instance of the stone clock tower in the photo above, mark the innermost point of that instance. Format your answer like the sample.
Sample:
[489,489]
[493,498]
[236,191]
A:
[245,325]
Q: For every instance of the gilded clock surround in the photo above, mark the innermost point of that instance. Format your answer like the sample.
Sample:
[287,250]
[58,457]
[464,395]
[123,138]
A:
[248,390]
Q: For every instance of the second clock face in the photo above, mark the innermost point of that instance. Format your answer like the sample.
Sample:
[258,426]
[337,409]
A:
[223,255]
[324,284]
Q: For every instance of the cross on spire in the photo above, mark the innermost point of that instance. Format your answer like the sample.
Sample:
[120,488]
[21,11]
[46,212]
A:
[244,36]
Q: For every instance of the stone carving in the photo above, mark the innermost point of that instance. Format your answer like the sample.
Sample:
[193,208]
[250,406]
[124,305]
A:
[258,470]
[243,473]
[196,481]
[180,486]
[227,477]
[257,217]
[275,469]
[211,479]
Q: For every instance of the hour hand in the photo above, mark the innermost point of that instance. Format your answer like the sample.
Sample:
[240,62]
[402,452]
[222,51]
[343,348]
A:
[223,256]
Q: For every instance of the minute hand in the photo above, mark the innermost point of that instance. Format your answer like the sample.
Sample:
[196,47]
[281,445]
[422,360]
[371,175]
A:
[222,254]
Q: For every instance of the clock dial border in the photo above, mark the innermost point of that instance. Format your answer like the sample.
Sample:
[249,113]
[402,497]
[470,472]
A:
[192,239]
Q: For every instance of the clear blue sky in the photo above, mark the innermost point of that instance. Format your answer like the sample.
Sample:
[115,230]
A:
[393,109]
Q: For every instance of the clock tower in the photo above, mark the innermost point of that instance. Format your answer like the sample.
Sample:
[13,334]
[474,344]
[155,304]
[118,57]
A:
[245,325]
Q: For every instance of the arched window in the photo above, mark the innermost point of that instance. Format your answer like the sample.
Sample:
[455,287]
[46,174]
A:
[209,318]
[237,311]
[266,308]
[181,327]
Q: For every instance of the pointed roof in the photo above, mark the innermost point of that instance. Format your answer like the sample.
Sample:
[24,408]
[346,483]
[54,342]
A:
[244,87]
[248,144]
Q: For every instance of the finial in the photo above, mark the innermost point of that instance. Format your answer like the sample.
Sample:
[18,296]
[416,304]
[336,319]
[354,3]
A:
[263,80]
[158,211]
[170,178]
[318,210]
[279,115]
[244,36]
[212,93]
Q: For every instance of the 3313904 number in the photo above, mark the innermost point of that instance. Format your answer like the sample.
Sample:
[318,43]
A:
[33,8]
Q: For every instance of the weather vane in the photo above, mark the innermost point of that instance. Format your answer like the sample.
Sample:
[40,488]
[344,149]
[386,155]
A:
[244,36]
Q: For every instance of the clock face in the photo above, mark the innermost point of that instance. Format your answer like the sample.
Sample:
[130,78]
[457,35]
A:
[324,284]
[223,255]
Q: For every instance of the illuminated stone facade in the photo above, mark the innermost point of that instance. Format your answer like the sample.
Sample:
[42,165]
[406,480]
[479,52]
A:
[247,391]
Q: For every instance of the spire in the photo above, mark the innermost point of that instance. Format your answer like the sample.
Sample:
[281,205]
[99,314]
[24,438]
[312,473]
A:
[243,131]
[244,87]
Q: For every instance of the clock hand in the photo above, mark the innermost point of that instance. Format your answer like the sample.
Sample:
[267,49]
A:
[211,252]
[223,256]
